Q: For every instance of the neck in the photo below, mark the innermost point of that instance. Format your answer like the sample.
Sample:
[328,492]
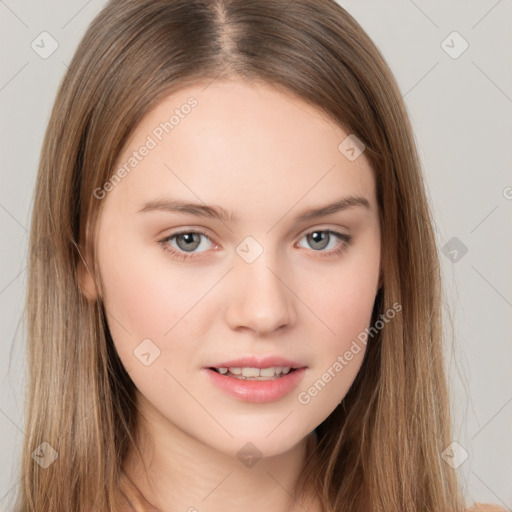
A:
[177,472]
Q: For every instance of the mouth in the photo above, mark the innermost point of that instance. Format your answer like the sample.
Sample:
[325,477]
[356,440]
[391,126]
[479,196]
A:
[251,373]
[256,381]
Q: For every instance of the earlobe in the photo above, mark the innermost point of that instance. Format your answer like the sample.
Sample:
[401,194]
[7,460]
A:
[86,280]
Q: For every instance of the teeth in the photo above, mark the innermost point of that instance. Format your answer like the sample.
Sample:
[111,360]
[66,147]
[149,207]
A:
[273,371]
[268,372]
[252,372]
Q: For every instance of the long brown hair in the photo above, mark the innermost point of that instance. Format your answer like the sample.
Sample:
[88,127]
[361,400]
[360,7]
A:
[380,449]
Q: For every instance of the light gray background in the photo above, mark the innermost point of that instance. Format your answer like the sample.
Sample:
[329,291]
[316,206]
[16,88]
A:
[461,112]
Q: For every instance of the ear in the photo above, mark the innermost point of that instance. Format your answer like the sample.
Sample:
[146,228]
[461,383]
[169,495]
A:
[85,276]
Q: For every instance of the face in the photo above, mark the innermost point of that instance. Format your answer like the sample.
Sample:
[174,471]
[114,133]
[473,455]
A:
[248,272]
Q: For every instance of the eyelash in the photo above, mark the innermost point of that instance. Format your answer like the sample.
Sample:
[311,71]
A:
[345,242]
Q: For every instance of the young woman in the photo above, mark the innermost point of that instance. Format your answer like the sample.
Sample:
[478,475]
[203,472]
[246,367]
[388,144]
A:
[240,299]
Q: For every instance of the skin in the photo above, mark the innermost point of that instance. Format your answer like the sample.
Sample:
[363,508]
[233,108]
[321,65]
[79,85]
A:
[267,157]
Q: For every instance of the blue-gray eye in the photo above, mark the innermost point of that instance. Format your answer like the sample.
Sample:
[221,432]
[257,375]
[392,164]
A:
[320,239]
[186,241]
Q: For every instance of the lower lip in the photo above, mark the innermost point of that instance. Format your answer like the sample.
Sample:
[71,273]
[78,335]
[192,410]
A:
[257,390]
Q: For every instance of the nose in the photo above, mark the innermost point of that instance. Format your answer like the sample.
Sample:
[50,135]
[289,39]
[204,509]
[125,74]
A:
[260,299]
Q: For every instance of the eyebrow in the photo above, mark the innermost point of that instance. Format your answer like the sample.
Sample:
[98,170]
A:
[217,212]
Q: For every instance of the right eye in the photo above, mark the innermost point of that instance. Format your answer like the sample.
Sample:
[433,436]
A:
[185,243]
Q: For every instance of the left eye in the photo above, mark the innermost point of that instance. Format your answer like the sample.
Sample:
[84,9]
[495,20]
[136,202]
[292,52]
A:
[320,239]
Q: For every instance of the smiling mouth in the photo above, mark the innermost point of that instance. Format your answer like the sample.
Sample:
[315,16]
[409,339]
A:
[271,373]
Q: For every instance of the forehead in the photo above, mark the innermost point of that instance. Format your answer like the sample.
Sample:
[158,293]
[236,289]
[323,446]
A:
[238,143]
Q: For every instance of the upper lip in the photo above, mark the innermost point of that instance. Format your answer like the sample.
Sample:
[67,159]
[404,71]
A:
[256,362]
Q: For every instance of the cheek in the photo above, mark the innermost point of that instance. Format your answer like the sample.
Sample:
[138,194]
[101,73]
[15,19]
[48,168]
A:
[345,310]
[344,298]
[144,300]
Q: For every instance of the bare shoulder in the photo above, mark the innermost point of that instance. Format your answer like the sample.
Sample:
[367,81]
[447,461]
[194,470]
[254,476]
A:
[485,507]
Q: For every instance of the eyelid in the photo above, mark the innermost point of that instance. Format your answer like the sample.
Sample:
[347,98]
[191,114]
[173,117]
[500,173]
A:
[198,231]
[320,227]
[186,229]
